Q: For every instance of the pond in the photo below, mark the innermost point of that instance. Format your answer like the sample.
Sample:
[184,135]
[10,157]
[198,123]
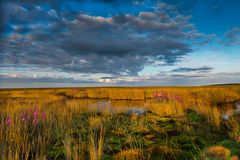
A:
[118,106]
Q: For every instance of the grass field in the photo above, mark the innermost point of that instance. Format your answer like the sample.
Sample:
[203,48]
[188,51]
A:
[120,123]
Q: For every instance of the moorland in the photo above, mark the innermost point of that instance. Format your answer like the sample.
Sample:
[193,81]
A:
[120,123]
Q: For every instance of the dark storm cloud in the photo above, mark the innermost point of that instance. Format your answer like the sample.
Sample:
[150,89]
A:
[200,69]
[79,42]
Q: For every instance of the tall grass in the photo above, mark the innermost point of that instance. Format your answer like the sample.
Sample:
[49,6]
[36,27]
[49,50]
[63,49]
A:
[64,123]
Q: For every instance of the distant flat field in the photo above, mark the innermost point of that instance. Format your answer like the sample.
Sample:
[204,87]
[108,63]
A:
[112,92]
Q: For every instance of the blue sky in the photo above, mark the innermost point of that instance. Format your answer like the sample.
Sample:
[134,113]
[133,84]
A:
[64,43]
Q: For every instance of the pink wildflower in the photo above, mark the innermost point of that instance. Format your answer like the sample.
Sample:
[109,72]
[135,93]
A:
[156,94]
[43,116]
[23,116]
[35,113]
[178,98]
[166,95]
[74,91]
[35,122]
[162,94]
[35,116]
[29,116]
[8,121]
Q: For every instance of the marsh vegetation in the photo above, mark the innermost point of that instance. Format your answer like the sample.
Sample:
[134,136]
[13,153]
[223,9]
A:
[120,123]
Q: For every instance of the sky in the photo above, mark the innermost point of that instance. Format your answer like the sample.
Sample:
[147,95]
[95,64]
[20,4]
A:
[74,43]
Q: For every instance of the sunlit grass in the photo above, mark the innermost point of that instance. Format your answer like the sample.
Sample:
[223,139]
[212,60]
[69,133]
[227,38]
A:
[94,123]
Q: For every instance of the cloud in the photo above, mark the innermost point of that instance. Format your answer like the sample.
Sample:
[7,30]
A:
[21,78]
[120,44]
[232,36]
[108,79]
[78,42]
[198,70]
[179,76]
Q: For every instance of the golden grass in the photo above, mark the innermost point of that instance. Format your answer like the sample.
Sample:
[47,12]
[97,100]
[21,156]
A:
[131,154]
[21,140]
[218,152]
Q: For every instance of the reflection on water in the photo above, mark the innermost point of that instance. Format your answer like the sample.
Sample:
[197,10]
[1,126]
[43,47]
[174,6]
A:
[140,107]
[137,111]
[103,106]
[114,106]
